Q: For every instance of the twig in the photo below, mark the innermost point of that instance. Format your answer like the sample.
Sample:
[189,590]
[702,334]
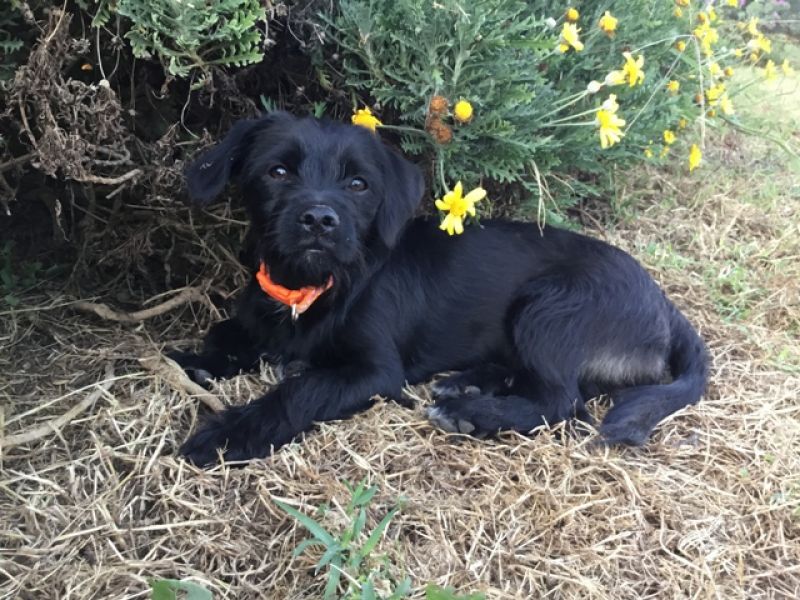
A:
[109,180]
[106,312]
[16,161]
[54,425]
[176,378]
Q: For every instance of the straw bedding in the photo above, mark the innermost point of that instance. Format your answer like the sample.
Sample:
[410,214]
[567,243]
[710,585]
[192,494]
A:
[98,503]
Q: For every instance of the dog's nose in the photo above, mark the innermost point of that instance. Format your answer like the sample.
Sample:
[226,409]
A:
[319,219]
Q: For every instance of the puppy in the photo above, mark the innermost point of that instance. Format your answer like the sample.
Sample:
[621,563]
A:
[365,298]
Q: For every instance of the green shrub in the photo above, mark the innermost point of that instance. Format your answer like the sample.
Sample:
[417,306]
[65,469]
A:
[534,124]
[189,36]
[10,42]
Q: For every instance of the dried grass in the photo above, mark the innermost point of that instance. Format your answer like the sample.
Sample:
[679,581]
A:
[710,508]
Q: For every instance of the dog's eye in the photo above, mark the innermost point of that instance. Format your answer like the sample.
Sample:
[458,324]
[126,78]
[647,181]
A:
[278,172]
[357,185]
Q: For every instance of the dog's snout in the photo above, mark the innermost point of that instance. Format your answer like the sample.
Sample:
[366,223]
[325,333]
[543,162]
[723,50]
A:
[319,219]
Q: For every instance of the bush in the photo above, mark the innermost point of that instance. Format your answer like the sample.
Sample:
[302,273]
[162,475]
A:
[535,98]
[189,36]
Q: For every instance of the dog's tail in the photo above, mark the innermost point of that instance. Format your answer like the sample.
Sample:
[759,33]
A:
[638,410]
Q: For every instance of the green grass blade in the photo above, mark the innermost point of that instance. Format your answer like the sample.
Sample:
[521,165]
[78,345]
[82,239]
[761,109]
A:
[372,541]
[331,553]
[315,528]
[334,576]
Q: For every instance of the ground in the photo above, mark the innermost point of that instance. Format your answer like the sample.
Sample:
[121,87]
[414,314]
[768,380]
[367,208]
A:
[98,503]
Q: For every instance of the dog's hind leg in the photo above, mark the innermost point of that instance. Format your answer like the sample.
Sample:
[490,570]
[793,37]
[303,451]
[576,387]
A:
[527,406]
[488,379]
[545,326]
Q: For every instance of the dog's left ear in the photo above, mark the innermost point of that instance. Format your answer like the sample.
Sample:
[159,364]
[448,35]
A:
[404,187]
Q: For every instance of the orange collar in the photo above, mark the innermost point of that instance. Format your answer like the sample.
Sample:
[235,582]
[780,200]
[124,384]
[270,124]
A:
[300,300]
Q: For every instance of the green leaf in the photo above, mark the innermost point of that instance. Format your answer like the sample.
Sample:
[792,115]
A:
[372,540]
[367,591]
[303,545]
[161,589]
[334,576]
[331,553]
[365,496]
[315,528]
[166,589]
[403,590]
[435,592]
[358,524]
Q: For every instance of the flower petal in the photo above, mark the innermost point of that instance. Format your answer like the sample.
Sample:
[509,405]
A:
[475,195]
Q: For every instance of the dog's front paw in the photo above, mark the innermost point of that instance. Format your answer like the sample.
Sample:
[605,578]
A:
[196,366]
[240,433]
[204,447]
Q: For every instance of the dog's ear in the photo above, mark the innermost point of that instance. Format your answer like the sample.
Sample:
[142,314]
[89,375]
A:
[404,187]
[210,172]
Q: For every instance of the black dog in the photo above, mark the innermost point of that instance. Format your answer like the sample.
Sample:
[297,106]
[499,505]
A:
[536,321]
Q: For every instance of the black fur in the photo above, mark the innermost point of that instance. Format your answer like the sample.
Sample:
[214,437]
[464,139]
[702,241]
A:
[539,321]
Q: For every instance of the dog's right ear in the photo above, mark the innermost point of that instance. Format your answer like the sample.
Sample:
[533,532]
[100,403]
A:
[208,175]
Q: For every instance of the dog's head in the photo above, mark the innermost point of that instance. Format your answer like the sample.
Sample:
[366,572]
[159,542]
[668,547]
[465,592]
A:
[321,195]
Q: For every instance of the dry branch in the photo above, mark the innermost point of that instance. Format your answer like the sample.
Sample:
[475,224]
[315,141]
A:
[106,312]
[58,423]
[176,378]
[96,179]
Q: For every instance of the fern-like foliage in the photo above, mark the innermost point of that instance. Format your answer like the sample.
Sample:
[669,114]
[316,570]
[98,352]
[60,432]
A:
[189,36]
[403,53]
[9,42]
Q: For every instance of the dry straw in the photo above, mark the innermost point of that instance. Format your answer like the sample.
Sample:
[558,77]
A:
[93,507]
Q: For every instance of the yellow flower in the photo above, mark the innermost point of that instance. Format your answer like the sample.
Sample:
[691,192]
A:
[733,3]
[754,57]
[702,17]
[787,68]
[570,39]
[726,105]
[770,71]
[683,3]
[458,206]
[664,152]
[610,104]
[707,35]
[714,93]
[673,86]
[648,152]
[462,111]
[714,69]
[633,69]
[364,118]
[695,156]
[680,45]
[752,26]
[760,43]
[678,12]
[609,123]
[608,24]
[682,123]
[738,53]
[669,136]
[712,113]
[712,14]
[728,71]
[615,78]
[572,15]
